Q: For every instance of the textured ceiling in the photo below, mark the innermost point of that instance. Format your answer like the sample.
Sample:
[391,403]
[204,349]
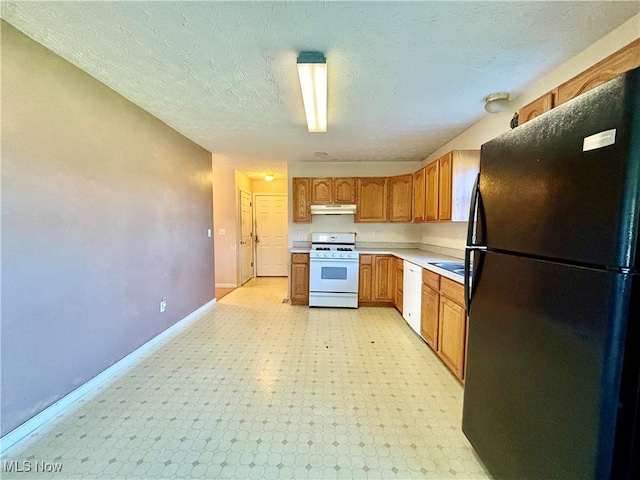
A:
[404,77]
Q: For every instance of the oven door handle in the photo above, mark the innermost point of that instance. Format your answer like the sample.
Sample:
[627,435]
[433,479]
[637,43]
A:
[336,260]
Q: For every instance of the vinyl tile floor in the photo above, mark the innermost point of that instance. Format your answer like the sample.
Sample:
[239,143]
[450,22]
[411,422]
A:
[259,389]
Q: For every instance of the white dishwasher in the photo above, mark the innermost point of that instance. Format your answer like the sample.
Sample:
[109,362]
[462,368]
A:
[412,295]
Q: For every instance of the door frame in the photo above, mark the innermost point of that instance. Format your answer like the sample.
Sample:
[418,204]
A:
[255,225]
[239,237]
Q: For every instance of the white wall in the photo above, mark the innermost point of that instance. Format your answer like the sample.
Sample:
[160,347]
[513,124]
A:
[453,234]
[374,232]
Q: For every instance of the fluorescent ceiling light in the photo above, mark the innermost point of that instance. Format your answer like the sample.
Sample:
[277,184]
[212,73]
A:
[312,70]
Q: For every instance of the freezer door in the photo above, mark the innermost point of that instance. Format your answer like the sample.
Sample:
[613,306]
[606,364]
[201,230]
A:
[566,185]
[544,360]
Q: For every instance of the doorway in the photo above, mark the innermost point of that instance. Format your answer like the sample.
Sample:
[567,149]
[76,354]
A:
[271,235]
[246,237]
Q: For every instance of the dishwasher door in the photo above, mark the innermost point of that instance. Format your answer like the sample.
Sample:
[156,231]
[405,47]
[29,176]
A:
[412,295]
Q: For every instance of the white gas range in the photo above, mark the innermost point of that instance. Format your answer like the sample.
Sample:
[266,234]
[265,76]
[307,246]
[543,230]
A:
[333,272]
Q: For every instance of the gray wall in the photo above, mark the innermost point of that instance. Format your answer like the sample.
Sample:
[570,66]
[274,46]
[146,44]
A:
[105,210]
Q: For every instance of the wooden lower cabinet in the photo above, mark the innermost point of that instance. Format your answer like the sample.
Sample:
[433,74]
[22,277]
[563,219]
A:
[299,294]
[443,323]
[383,269]
[376,283]
[452,330]
[365,279]
[399,278]
[430,314]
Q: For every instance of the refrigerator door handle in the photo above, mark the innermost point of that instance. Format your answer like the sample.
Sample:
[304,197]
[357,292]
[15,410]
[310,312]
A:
[471,246]
[468,275]
[473,210]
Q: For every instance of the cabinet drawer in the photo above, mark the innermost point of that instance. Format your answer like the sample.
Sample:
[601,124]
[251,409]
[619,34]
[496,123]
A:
[452,290]
[366,259]
[430,279]
[299,258]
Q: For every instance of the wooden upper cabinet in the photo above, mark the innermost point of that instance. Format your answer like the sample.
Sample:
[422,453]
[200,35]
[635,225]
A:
[535,108]
[333,190]
[625,59]
[445,186]
[371,195]
[431,191]
[321,191]
[400,190]
[449,184]
[418,196]
[301,200]
[344,190]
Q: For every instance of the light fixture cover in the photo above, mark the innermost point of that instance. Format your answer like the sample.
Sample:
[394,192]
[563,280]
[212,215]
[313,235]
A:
[496,102]
[268,177]
[312,70]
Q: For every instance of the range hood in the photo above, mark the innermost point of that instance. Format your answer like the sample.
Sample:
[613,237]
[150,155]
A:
[333,209]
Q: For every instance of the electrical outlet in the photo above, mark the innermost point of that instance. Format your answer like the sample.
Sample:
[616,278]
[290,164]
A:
[163,305]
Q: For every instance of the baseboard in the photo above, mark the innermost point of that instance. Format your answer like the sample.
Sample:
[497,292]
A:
[226,285]
[52,411]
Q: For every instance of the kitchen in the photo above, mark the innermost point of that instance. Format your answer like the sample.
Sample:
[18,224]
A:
[604,367]
[449,238]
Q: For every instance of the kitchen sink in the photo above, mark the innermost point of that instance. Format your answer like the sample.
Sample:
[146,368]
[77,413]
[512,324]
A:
[453,267]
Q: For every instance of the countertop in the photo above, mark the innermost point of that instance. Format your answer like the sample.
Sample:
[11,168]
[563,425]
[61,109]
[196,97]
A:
[422,258]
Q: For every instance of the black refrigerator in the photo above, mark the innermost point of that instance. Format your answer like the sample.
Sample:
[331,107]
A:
[552,374]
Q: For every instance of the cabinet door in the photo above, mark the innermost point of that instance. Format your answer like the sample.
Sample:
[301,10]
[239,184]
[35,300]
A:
[535,108]
[344,190]
[399,284]
[452,335]
[418,196]
[625,59]
[365,279]
[400,190]
[301,200]
[431,181]
[445,186]
[372,199]
[300,279]
[383,278]
[429,316]
[321,191]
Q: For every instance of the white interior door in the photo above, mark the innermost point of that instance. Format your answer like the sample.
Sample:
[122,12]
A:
[271,235]
[246,240]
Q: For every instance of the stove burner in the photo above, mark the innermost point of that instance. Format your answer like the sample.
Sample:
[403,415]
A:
[344,249]
[323,248]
